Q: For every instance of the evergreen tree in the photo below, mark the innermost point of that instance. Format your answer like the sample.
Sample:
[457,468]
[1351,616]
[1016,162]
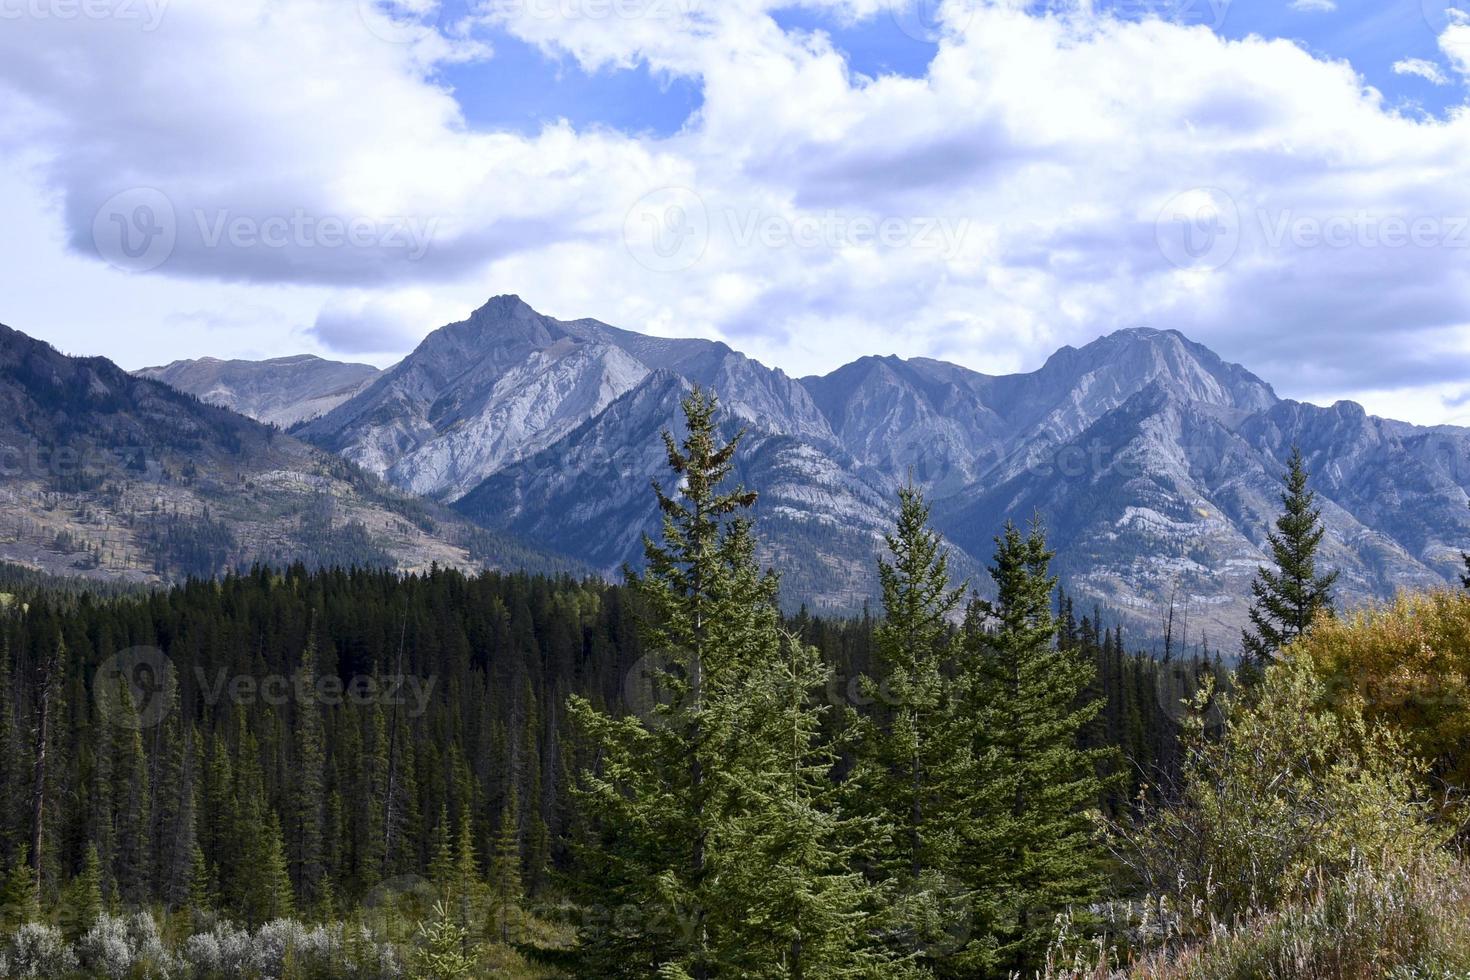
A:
[275,876]
[714,815]
[82,901]
[796,856]
[441,865]
[468,887]
[910,743]
[1027,853]
[19,899]
[307,785]
[132,862]
[662,787]
[1288,598]
[202,895]
[505,866]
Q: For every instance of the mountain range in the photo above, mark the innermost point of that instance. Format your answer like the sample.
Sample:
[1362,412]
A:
[1153,462]
[111,476]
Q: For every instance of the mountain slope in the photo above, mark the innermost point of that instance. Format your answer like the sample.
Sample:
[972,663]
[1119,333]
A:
[114,476]
[282,391]
[588,494]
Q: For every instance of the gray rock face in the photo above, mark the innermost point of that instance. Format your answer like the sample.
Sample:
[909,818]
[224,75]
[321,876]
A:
[282,391]
[481,395]
[1153,461]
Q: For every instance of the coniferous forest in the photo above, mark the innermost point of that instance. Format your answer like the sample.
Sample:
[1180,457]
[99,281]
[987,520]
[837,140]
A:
[355,773]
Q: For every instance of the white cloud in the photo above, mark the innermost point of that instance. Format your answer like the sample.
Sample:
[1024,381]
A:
[1004,204]
[1314,6]
[1454,40]
[1427,70]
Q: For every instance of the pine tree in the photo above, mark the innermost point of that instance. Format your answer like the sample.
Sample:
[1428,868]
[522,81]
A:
[19,899]
[505,866]
[1288,598]
[307,783]
[272,893]
[202,895]
[706,813]
[441,865]
[468,888]
[911,740]
[173,812]
[132,861]
[664,782]
[1027,852]
[82,902]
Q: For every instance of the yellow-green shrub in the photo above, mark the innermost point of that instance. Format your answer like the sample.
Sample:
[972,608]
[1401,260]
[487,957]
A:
[1408,662]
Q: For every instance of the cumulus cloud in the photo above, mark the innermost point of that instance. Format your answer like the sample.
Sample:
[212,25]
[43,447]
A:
[1023,194]
[1314,6]
[1427,70]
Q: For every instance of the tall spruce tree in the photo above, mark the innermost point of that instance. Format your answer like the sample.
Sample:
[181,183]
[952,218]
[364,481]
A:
[663,787]
[910,744]
[1027,852]
[717,784]
[505,867]
[1288,597]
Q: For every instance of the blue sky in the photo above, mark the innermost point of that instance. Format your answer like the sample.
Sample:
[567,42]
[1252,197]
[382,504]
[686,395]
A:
[810,180]
[524,87]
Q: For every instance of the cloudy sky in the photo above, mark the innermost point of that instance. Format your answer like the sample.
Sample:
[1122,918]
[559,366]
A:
[1287,181]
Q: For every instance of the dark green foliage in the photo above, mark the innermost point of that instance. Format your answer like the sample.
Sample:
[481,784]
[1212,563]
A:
[1288,597]
[19,901]
[716,839]
[1027,850]
[911,735]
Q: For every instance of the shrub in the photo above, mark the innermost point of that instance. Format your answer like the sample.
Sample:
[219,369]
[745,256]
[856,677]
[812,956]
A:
[118,947]
[1408,662]
[1294,793]
[36,950]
